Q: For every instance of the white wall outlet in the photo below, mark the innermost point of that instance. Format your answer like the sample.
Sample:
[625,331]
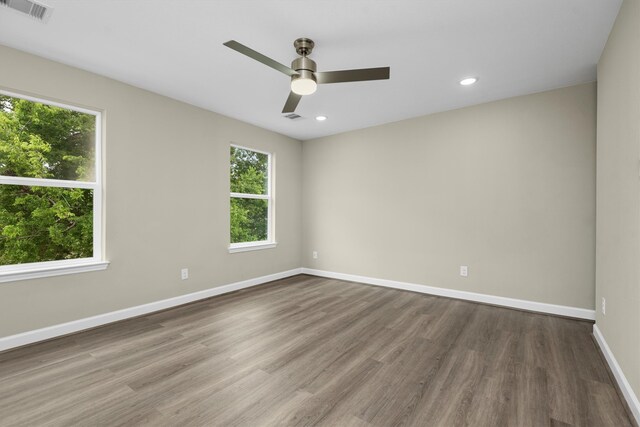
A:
[184,273]
[604,306]
[314,254]
[464,270]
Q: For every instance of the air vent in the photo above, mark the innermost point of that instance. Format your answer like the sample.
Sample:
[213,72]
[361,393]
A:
[292,116]
[33,9]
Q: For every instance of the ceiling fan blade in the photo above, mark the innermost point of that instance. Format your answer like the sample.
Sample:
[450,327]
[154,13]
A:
[292,102]
[239,47]
[359,75]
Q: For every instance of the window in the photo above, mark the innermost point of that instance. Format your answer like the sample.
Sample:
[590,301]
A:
[251,200]
[50,189]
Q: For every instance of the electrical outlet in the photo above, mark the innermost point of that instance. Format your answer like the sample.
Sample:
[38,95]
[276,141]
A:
[604,306]
[184,273]
[464,270]
[315,254]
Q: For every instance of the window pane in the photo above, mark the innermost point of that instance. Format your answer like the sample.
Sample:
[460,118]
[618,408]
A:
[45,224]
[249,171]
[43,141]
[249,218]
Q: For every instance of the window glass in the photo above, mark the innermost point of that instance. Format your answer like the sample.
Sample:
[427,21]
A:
[249,220]
[45,224]
[44,141]
[249,171]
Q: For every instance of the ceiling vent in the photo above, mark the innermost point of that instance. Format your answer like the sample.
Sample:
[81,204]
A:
[33,9]
[290,116]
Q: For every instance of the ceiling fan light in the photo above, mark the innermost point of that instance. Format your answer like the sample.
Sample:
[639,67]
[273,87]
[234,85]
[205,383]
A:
[304,83]
[303,86]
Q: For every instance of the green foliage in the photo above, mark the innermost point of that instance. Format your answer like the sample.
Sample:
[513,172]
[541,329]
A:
[249,171]
[45,223]
[249,217]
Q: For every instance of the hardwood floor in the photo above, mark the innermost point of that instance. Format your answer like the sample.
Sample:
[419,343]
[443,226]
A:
[312,351]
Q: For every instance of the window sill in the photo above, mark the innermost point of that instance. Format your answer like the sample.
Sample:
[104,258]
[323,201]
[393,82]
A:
[244,247]
[51,270]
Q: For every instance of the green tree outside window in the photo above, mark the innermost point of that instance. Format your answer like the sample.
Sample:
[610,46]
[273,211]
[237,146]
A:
[41,223]
[249,175]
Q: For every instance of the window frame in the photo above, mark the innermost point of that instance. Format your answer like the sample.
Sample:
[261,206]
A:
[270,242]
[34,270]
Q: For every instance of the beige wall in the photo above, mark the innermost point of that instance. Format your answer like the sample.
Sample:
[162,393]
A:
[167,188]
[507,188]
[618,192]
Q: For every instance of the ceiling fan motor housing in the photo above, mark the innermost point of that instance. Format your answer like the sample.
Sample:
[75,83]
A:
[305,68]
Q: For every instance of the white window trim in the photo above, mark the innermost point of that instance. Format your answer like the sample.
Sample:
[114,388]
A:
[9,273]
[270,197]
[37,270]
[251,246]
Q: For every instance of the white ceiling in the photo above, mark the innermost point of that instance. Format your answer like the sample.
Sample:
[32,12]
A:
[175,48]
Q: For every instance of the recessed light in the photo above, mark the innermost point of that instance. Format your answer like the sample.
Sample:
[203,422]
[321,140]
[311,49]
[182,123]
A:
[468,81]
[321,118]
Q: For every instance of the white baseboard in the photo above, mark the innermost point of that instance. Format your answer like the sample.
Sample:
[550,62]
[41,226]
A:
[580,313]
[625,387]
[49,332]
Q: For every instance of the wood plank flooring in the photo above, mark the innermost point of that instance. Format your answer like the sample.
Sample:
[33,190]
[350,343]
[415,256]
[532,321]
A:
[312,351]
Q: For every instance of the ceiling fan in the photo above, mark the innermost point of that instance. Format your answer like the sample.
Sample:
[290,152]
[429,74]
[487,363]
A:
[304,77]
